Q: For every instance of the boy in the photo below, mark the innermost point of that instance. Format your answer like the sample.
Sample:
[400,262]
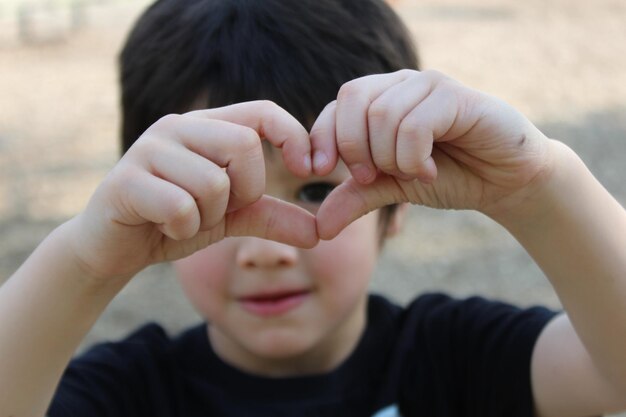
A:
[290,328]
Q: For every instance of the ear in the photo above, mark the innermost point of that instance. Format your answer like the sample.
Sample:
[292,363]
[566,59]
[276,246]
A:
[397,220]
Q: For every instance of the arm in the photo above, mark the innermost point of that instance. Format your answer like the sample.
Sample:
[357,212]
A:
[189,181]
[46,308]
[576,232]
[426,139]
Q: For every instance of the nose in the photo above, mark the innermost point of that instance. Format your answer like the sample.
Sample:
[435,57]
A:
[261,253]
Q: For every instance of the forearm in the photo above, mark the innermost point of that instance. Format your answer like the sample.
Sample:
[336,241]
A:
[576,232]
[46,308]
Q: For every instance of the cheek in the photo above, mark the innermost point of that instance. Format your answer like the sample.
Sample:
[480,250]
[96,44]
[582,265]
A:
[350,258]
[204,275]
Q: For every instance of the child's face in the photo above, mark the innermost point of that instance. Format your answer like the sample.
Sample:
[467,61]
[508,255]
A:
[275,309]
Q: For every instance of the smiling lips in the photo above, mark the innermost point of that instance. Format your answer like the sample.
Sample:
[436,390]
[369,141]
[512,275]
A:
[274,304]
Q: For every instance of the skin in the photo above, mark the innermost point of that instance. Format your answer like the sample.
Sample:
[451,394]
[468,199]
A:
[414,137]
[423,138]
[320,332]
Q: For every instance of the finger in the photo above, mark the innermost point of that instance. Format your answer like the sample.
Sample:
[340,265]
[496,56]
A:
[150,199]
[323,141]
[273,123]
[231,146]
[352,133]
[387,112]
[429,121]
[351,200]
[208,183]
[274,219]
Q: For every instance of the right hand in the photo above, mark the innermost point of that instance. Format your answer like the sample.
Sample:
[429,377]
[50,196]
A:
[191,180]
[423,138]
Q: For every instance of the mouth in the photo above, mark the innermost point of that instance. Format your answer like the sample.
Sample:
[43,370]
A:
[274,304]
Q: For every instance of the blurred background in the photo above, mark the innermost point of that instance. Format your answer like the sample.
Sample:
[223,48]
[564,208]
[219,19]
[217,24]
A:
[561,62]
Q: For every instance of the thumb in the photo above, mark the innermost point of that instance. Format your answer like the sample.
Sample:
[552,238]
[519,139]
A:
[274,219]
[351,200]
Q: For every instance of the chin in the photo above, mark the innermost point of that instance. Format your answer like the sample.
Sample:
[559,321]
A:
[288,360]
[280,345]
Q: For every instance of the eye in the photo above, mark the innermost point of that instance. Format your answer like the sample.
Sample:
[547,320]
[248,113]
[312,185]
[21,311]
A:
[314,192]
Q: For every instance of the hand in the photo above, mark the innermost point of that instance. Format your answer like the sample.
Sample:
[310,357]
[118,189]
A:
[191,180]
[423,138]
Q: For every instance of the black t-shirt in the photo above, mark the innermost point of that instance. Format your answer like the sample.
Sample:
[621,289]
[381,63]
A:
[436,357]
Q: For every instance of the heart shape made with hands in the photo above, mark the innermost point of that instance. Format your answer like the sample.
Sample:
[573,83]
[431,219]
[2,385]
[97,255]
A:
[443,146]
[250,212]
[278,220]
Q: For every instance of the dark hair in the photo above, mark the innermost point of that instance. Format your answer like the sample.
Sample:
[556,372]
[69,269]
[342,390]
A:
[295,53]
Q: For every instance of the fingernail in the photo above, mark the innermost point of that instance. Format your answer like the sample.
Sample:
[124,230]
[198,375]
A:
[361,172]
[320,160]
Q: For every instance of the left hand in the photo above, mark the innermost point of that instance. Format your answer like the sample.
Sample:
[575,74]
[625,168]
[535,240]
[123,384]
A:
[423,138]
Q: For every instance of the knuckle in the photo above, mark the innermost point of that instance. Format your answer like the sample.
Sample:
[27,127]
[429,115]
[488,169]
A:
[218,184]
[330,105]
[148,136]
[379,110]
[434,74]
[211,185]
[179,208]
[267,104]
[408,72]
[123,176]
[149,149]
[169,121]
[437,77]
[349,91]
[248,140]
[413,130]
[124,173]
[386,163]
[245,197]
[318,132]
[409,165]
[349,148]
[212,215]
[448,87]
[266,107]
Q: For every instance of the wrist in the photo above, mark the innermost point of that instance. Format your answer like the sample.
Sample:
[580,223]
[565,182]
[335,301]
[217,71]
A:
[549,196]
[69,246]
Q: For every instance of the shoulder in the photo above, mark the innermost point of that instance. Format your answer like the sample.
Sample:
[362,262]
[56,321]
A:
[112,375]
[436,327]
[474,313]
[443,311]
[150,337]
[148,349]
[466,352]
